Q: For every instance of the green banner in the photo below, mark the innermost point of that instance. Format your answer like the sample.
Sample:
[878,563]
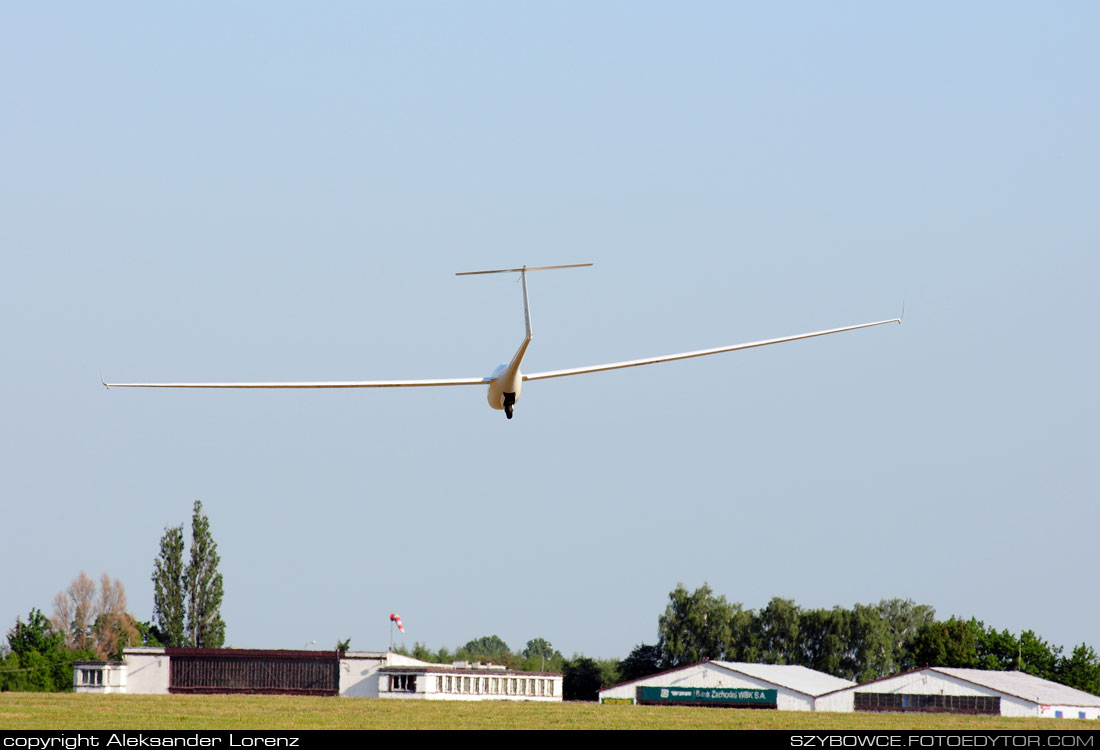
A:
[722,696]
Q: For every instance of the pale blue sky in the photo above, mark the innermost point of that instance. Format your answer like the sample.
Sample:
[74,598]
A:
[252,191]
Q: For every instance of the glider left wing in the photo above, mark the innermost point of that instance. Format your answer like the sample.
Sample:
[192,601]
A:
[320,384]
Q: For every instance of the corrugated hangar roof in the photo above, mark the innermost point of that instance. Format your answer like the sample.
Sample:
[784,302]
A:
[1023,685]
[791,676]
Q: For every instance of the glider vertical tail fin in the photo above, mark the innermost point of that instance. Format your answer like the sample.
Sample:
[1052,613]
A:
[522,271]
[526,304]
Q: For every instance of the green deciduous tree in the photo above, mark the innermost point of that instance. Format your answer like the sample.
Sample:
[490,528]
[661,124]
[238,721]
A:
[149,634]
[998,651]
[540,656]
[169,604]
[422,652]
[486,648]
[744,643]
[695,626]
[871,645]
[33,672]
[643,661]
[1080,670]
[1038,657]
[38,659]
[538,648]
[779,625]
[902,619]
[609,673]
[825,636]
[203,585]
[582,679]
[953,643]
[36,634]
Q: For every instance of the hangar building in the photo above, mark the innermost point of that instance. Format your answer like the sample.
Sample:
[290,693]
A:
[363,674]
[785,687]
[966,691]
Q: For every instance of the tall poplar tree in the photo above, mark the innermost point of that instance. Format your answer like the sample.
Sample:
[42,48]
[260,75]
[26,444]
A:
[168,599]
[203,584]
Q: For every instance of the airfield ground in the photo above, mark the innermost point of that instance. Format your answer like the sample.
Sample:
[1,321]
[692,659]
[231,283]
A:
[67,711]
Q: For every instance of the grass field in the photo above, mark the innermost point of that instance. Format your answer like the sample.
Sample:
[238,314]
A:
[82,711]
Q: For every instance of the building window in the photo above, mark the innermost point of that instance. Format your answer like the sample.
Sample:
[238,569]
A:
[950,704]
[91,677]
[550,687]
[403,683]
[439,684]
[450,688]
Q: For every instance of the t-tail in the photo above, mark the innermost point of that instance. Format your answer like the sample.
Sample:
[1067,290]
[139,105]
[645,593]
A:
[507,381]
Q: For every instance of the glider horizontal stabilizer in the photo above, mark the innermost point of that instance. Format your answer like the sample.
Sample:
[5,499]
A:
[522,269]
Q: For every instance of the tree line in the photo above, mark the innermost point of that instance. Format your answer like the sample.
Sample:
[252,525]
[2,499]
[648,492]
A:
[91,623]
[861,643]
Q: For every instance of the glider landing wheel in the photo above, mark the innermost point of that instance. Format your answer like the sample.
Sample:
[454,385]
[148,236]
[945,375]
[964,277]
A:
[509,402]
[508,410]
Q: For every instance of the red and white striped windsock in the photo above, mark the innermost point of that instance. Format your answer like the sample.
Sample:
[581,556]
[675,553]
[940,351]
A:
[396,620]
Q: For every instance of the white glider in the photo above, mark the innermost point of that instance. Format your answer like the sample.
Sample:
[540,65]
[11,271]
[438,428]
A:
[506,382]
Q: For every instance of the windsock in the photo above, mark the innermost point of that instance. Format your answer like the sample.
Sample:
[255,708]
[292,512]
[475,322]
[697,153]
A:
[396,620]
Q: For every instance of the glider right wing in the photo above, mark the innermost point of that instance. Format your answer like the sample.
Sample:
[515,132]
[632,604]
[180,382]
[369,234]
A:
[699,353]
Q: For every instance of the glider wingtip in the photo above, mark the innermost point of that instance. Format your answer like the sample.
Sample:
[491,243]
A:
[105,383]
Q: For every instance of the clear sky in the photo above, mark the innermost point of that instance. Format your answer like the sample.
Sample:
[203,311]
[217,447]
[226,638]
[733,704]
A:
[282,191]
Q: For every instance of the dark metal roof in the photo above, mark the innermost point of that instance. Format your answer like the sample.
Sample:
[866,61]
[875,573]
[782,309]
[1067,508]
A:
[253,653]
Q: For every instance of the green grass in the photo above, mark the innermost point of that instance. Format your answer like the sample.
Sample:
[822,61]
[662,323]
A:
[83,711]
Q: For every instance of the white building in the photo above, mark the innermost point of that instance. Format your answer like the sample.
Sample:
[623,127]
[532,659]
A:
[363,674]
[973,691]
[467,682]
[99,677]
[785,687]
